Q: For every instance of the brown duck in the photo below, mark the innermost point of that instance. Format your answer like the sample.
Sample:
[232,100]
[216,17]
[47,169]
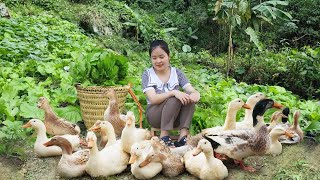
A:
[54,124]
[112,113]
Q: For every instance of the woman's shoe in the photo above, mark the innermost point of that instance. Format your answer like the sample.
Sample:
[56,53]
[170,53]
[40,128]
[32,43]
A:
[167,140]
[181,142]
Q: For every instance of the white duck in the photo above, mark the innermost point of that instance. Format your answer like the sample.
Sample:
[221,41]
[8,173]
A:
[137,157]
[230,121]
[103,137]
[106,132]
[239,144]
[172,164]
[131,134]
[43,151]
[111,160]
[246,123]
[201,163]
[276,147]
[70,165]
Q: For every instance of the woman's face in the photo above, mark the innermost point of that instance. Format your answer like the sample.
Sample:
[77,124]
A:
[160,59]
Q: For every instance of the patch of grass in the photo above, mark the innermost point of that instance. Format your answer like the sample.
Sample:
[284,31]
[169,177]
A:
[299,170]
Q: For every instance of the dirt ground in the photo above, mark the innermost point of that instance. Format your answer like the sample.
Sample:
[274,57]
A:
[299,161]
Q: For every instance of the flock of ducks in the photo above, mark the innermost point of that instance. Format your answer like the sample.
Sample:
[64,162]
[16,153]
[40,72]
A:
[114,143]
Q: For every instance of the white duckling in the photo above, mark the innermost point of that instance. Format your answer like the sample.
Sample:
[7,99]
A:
[137,157]
[70,165]
[275,146]
[201,163]
[131,134]
[43,151]
[106,132]
[111,160]
[230,121]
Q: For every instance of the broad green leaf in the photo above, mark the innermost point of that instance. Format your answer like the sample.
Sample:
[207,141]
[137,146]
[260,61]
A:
[254,37]
[274,3]
[314,125]
[9,92]
[70,113]
[169,29]
[186,48]
[238,19]
[243,6]
[28,110]
[265,19]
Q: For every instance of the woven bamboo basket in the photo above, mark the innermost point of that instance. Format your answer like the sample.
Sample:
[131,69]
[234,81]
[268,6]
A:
[93,101]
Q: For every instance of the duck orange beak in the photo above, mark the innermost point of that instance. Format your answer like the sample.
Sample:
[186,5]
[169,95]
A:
[95,129]
[27,125]
[289,134]
[246,106]
[277,105]
[133,158]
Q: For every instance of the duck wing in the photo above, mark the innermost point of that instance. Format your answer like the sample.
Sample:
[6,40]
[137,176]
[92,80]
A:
[80,157]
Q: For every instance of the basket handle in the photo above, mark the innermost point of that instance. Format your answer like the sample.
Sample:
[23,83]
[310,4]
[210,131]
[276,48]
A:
[134,97]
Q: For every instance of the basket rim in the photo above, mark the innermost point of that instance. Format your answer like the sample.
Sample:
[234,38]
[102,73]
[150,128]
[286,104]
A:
[80,87]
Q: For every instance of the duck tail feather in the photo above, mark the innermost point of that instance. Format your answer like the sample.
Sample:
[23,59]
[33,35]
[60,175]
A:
[213,143]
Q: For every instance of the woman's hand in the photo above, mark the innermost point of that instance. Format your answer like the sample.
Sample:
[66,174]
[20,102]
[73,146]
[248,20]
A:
[194,97]
[183,97]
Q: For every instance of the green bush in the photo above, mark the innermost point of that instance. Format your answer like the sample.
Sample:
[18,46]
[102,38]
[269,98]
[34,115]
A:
[99,67]
[304,31]
[295,70]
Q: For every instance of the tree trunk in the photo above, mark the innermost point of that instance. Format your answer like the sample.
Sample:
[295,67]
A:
[230,52]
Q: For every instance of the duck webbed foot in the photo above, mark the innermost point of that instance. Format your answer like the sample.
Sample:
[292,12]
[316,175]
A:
[220,156]
[242,166]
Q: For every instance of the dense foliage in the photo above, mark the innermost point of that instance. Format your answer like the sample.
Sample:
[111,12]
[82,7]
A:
[34,54]
[295,70]
[99,68]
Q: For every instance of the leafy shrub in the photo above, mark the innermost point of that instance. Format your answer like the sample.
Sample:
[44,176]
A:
[35,56]
[295,70]
[13,139]
[100,67]
[305,32]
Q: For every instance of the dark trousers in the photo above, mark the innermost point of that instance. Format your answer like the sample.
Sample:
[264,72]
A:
[170,114]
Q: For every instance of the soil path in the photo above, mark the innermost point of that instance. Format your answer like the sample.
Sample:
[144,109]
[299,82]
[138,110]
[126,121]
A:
[299,161]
